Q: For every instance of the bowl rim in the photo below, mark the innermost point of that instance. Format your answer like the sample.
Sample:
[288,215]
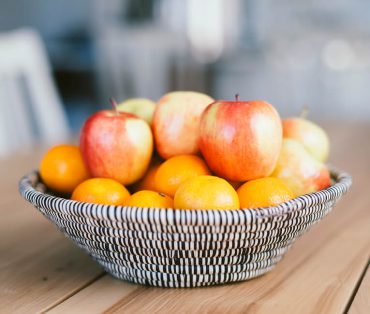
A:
[172,216]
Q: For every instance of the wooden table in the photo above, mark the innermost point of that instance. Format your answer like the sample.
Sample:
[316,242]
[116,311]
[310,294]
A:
[326,271]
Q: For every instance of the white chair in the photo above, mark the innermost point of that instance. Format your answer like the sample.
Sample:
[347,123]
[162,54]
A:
[30,108]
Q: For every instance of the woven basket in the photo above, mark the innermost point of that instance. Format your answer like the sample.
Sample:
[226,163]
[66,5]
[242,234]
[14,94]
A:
[184,248]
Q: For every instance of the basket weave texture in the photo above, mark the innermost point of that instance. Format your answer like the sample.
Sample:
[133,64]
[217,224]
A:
[184,248]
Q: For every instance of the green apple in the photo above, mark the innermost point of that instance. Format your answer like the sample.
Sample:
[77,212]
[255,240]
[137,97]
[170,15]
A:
[142,107]
[299,170]
[313,137]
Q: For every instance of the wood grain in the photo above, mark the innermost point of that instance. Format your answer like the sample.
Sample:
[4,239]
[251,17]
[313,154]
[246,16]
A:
[318,275]
[99,297]
[361,302]
[39,267]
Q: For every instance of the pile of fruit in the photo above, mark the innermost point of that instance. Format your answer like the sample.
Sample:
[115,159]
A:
[188,151]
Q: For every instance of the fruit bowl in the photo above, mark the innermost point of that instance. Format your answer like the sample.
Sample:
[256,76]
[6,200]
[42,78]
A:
[184,248]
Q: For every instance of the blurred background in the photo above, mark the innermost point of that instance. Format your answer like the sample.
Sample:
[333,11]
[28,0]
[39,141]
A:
[61,60]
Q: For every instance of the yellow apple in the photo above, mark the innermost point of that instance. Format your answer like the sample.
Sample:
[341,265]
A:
[142,107]
[299,170]
[313,137]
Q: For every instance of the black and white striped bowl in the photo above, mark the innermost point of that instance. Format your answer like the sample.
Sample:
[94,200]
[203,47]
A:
[184,248]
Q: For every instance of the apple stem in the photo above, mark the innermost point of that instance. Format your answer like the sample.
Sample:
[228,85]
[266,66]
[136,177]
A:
[114,105]
[237,97]
[304,113]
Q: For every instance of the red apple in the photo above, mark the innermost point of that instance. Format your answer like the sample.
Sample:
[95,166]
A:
[241,140]
[116,145]
[176,123]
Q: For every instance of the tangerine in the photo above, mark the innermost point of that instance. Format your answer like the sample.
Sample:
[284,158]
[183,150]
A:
[177,170]
[264,192]
[62,168]
[147,198]
[206,192]
[101,191]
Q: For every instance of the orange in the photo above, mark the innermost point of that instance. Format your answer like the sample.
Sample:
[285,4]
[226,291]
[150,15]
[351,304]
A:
[177,170]
[62,168]
[101,191]
[149,199]
[206,192]
[264,192]
[147,182]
